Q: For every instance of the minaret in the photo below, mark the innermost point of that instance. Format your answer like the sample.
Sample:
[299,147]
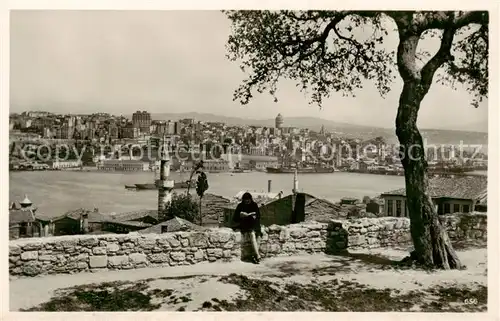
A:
[295,182]
[164,186]
[295,189]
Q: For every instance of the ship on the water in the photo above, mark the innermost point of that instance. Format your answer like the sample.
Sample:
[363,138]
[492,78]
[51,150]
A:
[177,185]
[149,186]
[152,186]
[300,170]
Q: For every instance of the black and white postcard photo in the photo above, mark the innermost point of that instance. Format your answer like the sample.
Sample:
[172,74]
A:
[251,160]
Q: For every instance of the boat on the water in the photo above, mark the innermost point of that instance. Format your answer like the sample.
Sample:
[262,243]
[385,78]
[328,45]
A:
[145,186]
[300,170]
[150,186]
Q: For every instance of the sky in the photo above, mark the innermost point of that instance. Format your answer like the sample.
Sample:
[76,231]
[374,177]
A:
[174,61]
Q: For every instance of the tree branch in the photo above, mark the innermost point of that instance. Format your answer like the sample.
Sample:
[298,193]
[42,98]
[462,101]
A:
[299,45]
[307,43]
[443,55]
[479,17]
[448,19]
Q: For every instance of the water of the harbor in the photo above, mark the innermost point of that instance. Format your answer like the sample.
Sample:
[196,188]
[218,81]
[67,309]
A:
[55,192]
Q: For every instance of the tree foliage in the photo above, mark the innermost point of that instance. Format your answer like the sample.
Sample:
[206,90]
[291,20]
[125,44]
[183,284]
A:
[201,184]
[201,188]
[182,206]
[196,169]
[334,51]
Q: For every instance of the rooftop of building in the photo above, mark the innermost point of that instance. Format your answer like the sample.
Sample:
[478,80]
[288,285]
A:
[175,224]
[134,215]
[460,187]
[93,215]
[17,216]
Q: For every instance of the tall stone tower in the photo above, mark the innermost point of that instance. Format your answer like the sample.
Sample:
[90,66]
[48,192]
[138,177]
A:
[164,185]
[279,121]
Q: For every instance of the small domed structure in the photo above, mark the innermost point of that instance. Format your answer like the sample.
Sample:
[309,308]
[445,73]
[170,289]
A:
[26,202]
[279,121]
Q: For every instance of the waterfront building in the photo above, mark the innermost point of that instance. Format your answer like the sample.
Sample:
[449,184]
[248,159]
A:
[258,151]
[122,165]
[254,162]
[58,164]
[449,194]
[216,165]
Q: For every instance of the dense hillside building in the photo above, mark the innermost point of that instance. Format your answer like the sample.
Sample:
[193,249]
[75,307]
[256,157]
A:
[142,120]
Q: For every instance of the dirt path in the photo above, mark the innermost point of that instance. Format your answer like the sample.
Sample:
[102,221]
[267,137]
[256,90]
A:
[362,281]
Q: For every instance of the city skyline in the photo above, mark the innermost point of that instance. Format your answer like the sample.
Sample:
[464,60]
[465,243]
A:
[115,62]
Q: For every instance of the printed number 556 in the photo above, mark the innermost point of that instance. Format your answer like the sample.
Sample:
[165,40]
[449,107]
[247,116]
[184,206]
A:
[470,301]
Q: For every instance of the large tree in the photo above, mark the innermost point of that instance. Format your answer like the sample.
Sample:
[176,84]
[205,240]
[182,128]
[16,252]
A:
[337,51]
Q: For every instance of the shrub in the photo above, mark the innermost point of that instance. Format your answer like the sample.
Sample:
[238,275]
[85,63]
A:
[182,206]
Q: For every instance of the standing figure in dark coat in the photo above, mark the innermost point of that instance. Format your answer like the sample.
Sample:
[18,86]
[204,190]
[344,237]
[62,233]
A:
[246,218]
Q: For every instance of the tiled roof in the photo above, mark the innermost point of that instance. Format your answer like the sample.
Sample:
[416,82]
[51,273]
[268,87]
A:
[398,192]
[134,215]
[96,217]
[93,217]
[462,187]
[21,216]
[173,225]
[130,223]
[483,198]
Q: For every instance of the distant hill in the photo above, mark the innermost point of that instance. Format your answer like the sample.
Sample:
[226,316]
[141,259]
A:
[481,127]
[434,136]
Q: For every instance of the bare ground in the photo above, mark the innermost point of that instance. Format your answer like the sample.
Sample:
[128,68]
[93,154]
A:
[359,281]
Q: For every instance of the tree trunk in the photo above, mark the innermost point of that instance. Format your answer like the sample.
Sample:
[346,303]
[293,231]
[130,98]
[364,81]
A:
[189,183]
[432,246]
[201,218]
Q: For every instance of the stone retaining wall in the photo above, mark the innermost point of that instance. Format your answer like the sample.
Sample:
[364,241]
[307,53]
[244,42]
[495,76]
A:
[394,231]
[71,254]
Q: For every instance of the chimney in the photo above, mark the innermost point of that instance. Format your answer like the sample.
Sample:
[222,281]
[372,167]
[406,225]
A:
[269,186]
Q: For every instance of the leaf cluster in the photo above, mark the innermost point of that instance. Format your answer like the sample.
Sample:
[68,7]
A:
[335,51]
